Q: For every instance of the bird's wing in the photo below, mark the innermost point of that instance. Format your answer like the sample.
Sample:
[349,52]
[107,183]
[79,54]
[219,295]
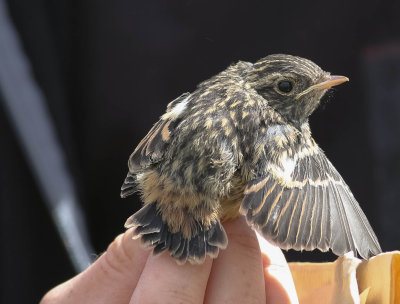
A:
[301,202]
[152,147]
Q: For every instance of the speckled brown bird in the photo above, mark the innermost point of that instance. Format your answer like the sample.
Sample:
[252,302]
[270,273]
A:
[241,144]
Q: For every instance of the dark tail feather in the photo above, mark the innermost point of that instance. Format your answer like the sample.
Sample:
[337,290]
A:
[154,232]
[128,187]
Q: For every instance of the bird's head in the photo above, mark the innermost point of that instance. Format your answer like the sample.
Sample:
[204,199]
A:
[293,86]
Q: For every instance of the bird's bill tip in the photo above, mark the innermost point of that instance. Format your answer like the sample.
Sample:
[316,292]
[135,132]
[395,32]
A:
[331,81]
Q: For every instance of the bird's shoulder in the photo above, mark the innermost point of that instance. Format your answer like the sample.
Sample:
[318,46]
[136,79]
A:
[204,117]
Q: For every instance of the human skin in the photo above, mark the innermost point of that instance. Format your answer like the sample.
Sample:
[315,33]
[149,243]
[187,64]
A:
[250,270]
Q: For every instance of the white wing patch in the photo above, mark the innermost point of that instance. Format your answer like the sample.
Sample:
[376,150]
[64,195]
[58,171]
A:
[177,110]
[277,130]
[284,167]
[288,165]
[284,170]
[284,173]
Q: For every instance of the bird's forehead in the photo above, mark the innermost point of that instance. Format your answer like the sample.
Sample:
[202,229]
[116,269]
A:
[288,64]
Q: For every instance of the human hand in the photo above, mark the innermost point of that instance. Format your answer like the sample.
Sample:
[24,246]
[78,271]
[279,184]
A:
[127,273]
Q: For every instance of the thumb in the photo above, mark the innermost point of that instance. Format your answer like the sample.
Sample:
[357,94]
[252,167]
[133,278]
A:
[110,279]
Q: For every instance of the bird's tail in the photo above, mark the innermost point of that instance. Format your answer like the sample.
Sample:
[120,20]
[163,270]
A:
[155,233]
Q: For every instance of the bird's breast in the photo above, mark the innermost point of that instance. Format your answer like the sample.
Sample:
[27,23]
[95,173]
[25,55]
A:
[230,204]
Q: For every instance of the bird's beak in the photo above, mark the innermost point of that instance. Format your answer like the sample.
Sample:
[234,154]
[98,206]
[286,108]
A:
[326,83]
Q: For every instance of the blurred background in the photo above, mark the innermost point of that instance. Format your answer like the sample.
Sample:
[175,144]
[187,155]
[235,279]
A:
[106,71]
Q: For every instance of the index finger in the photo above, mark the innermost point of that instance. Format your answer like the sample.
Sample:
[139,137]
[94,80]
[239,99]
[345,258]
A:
[237,274]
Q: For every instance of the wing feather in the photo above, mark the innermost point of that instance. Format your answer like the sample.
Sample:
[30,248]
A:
[153,146]
[303,203]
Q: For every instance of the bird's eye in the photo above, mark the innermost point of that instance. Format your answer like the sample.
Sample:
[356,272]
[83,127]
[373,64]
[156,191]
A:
[285,86]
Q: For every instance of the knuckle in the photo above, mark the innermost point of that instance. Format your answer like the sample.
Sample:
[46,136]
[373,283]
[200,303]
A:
[116,258]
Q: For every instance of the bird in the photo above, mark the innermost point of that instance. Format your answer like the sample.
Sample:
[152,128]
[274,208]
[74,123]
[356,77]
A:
[240,144]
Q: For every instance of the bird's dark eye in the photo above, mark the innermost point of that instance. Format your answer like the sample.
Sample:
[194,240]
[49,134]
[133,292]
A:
[285,86]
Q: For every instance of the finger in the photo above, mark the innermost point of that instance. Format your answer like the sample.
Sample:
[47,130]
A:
[111,279]
[237,274]
[163,281]
[279,285]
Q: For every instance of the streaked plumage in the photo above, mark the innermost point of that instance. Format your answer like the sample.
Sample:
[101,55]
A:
[241,142]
